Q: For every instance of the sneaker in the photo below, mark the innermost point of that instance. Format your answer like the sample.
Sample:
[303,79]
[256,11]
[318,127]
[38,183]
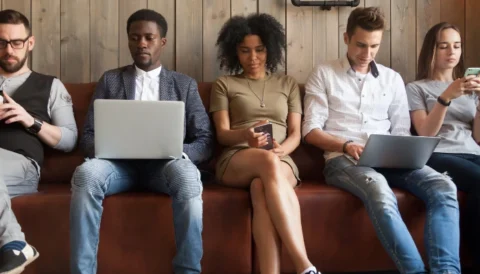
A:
[14,261]
[313,272]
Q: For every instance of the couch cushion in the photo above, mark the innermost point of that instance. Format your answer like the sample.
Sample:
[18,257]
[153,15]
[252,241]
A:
[136,234]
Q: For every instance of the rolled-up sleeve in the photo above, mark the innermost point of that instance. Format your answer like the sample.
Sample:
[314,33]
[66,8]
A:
[315,102]
[61,113]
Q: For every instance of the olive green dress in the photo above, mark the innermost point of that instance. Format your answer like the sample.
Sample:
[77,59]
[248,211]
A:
[242,98]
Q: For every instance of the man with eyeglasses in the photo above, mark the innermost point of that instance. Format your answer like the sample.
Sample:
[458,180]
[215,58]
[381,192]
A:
[36,110]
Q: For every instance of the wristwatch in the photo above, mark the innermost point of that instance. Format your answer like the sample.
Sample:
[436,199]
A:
[443,102]
[36,127]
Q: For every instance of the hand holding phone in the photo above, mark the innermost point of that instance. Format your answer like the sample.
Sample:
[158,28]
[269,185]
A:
[267,130]
[472,71]
[2,98]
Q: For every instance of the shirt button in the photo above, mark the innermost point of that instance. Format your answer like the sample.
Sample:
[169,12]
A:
[365,122]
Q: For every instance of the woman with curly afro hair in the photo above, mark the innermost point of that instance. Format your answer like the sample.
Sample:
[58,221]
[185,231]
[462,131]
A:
[251,48]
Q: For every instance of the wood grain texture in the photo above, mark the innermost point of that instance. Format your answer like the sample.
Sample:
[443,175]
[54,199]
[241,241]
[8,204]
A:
[453,12]
[428,14]
[104,37]
[243,7]
[325,35]
[403,46]
[167,9]
[75,41]
[189,38]
[299,42]
[46,57]
[472,37]
[277,9]
[383,55]
[216,13]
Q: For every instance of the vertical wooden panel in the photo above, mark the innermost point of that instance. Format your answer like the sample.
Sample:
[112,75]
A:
[472,29]
[167,9]
[243,7]
[215,13]
[275,8]
[189,43]
[453,11]
[299,41]
[46,28]
[75,40]
[403,46]
[23,6]
[428,14]
[343,13]
[383,55]
[104,37]
[125,9]
[325,27]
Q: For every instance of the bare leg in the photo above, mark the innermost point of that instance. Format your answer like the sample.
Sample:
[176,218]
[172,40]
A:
[280,198]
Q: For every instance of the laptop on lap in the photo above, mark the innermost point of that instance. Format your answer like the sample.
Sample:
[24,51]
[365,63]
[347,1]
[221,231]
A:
[133,129]
[389,151]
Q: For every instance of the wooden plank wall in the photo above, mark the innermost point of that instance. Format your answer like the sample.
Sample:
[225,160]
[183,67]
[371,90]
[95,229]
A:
[77,40]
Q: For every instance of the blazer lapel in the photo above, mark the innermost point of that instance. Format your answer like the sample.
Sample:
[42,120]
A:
[129,82]
[165,86]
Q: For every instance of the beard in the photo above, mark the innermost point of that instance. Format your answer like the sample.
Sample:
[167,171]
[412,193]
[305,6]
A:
[12,67]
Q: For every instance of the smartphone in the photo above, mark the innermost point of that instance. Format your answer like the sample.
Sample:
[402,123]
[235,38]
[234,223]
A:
[267,129]
[2,99]
[472,71]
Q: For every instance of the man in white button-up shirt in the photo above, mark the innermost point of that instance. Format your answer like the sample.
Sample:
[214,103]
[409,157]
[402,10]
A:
[348,99]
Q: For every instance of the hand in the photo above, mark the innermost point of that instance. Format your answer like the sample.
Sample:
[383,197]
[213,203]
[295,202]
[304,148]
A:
[255,139]
[277,149]
[354,150]
[461,86]
[12,112]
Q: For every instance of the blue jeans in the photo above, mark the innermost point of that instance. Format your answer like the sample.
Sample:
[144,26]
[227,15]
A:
[465,172]
[372,186]
[95,179]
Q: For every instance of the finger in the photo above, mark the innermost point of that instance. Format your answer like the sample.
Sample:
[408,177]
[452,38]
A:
[355,155]
[8,98]
[12,119]
[275,143]
[262,139]
[469,77]
[6,106]
[360,151]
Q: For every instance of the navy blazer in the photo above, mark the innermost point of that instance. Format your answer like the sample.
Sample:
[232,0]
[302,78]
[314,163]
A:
[120,84]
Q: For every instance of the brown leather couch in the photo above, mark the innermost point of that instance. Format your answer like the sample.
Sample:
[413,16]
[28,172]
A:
[136,234]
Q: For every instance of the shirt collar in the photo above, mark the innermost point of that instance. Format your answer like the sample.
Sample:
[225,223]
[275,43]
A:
[149,74]
[348,68]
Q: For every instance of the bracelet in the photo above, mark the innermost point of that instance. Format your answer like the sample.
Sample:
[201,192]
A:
[345,145]
[443,102]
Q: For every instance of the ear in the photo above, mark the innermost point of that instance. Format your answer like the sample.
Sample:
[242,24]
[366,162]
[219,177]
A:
[163,41]
[31,43]
[345,38]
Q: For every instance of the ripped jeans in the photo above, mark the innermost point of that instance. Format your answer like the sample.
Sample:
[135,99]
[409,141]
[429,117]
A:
[372,186]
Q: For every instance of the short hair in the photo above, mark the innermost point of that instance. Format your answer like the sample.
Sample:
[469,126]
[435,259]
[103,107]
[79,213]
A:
[369,19]
[426,60]
[149,15]
[270,31]
[16,18]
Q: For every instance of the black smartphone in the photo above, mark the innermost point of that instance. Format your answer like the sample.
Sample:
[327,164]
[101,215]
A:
[267,129]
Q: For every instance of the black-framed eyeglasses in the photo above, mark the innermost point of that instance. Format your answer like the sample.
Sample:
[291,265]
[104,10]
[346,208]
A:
[15,44]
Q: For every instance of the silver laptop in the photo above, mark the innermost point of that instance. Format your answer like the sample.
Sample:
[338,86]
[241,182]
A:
[388,151]
[132,129]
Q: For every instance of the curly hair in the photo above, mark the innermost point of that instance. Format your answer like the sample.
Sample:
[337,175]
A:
[270,31]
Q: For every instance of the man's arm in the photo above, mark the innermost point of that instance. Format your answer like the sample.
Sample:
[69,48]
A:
[398,112]
[87,143]
[61,113]
[199,136]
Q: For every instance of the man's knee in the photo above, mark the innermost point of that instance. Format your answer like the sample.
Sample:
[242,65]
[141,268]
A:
[444,191]
[183,179]
[91,176]
[378,193]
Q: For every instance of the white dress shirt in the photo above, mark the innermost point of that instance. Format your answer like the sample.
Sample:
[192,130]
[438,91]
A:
[343,103]
[147,84]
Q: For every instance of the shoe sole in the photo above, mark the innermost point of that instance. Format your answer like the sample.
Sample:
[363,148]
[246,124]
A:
[21,268]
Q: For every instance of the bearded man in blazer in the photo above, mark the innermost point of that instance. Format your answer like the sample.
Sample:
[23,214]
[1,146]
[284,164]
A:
[95,179]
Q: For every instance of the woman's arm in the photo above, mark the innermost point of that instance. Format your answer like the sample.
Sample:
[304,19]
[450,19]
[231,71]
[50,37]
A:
[231,137]
[294,121]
